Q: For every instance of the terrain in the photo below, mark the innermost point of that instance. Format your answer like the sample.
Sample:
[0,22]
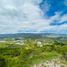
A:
[33,50]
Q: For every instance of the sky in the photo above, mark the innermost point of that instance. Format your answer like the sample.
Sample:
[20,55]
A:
[33,16]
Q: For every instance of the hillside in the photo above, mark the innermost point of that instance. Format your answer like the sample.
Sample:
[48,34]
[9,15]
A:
[29,52]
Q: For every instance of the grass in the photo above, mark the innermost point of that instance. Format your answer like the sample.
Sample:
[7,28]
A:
[29,53]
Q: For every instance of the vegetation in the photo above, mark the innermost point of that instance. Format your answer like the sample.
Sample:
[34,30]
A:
[31,51]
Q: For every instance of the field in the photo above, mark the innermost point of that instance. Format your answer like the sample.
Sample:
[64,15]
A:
[30,52]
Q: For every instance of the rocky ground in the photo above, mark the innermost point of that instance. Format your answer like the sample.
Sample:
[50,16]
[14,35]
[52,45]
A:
[51,63]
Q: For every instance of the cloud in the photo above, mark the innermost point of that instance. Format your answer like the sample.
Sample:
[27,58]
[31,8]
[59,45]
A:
[20,16]
[17,16]
[59,20]
[63,18]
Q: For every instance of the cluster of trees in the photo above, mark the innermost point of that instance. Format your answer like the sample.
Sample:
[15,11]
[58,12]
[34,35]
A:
[30,53]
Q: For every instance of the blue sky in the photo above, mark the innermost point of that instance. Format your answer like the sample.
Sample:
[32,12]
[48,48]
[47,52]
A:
[34,16]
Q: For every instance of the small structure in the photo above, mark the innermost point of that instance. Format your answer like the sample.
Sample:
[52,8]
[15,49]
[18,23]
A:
[39,44]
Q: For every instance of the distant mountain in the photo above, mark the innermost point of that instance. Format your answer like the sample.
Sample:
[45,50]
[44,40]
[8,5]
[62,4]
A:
[34,35]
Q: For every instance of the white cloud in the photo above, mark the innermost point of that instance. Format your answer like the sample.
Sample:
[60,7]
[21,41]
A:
[26,16]
[63,18]
[16,15]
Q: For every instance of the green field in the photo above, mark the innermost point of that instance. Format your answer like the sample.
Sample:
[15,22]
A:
[27,52]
